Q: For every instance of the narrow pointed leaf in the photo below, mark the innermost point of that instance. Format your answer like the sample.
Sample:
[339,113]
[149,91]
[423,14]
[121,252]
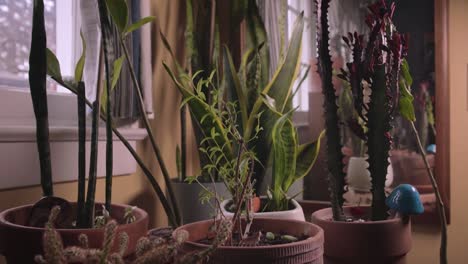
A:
[306,157]
[80,64]
[53,65]
[138,24]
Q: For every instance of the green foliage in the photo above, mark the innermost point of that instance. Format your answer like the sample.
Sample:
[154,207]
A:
[138,24]
[53,65]
[117,69]
[244,86]
[405,106]
[81,62]
[119,12]
[291,161]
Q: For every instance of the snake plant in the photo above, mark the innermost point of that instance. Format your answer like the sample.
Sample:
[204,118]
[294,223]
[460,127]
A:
[264,111]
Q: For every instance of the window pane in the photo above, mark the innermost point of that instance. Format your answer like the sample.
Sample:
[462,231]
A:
[15,39]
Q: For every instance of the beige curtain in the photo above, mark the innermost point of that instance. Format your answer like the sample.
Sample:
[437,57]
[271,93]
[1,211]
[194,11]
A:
[170,20]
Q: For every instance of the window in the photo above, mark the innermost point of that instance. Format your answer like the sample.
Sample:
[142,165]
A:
[61,21]
[294,8]
[17,122]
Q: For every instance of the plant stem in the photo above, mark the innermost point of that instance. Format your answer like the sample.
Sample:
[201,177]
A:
[89,208]
[92,178]
[105,28]
[151,135]
[81,154]
[183,142]
[37,84]
[440,204]
[154,184]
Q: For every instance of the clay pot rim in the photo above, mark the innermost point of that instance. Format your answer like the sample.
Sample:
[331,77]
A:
[319,235]
[140,214]
[315,218]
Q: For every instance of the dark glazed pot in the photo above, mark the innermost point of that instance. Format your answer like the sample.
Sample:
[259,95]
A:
[383,242]
[188,196]
[309,250]
[20,243]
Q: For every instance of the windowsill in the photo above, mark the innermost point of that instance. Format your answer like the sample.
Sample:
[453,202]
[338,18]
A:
[63,133]
[18,149]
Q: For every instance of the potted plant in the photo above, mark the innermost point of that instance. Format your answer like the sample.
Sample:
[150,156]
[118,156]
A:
[243,237]
[22,227]
[357,176]
[380,65]
[258,100]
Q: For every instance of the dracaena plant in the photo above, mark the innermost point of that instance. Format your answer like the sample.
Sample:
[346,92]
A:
[259,104]
[111,13]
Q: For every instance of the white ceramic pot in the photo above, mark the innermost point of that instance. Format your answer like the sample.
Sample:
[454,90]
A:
[358,175]
[294,214]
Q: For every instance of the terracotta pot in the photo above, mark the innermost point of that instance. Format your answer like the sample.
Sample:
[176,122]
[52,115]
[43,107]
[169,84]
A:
[187,196]
[309,250]
[383,242]
[295,213]
[20,243]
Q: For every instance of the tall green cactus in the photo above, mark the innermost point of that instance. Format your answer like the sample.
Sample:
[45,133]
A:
[334,154]
[377,67]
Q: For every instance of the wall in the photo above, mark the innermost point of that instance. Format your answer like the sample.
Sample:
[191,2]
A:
[426,239]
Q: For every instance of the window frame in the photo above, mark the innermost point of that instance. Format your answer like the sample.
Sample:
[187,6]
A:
[17,120]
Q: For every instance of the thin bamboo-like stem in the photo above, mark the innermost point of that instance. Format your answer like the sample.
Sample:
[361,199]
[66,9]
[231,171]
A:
[92,178]
[37,84]
[212,32]
[183,142]
[157,151]
[154,184]
[440,204]
[105,28]
[81,154]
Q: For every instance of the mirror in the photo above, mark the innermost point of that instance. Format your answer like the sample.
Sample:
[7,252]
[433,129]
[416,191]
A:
[424,25]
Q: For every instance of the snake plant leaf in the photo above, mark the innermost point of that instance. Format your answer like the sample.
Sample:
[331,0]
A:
[201,110]
[189,33]
[231,84]
[284,142]
[53,65]
[80,64]
[256,35]
[281,86]
[38,67]
[166,44]
[119,12]
[138,24]
[306,156]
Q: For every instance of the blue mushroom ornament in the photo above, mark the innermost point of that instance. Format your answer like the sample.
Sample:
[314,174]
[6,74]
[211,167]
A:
[404,201]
